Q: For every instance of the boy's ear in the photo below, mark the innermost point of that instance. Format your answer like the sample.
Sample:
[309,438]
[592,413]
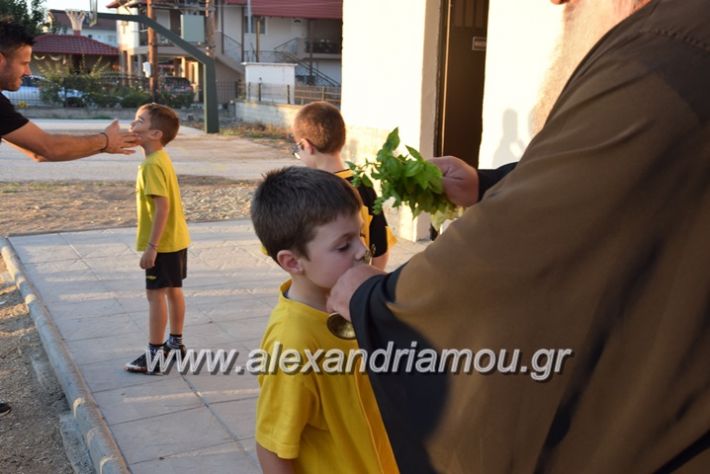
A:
[155,134]
[308,146]
[289,261]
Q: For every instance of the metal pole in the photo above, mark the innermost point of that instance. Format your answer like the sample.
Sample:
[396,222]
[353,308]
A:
[210,97]
[210,85]
[249,17]
[258,33]
[309,44]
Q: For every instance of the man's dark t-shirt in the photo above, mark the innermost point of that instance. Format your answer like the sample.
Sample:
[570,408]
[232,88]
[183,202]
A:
[10,119]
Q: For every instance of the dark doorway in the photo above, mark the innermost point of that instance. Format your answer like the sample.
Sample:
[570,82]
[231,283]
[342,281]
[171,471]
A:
[463,61]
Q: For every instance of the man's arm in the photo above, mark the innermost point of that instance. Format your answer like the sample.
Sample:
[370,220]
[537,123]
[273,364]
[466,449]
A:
[161,217]
[489,178]
[271,463]
[43,146]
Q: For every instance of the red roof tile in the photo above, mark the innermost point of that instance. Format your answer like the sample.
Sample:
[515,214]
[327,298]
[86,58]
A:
[72,44]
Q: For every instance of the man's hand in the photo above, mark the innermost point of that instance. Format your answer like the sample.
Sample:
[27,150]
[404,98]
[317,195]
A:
[119,141]
[460,180]
[148,258]
[342,292]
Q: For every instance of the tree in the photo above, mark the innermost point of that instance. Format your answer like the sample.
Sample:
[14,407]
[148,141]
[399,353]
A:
[31,16]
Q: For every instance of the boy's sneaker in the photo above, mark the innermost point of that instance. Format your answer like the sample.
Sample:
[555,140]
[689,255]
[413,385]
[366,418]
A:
[172,347]
[140,365]
[5,408]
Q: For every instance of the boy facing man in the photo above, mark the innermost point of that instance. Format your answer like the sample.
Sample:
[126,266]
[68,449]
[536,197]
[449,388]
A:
[162,231]
[319,134]
[309,421]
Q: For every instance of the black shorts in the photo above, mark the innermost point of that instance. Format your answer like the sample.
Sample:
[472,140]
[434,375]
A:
[169,271]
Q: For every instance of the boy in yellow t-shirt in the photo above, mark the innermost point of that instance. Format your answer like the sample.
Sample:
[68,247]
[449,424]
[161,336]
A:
[311,421]
[319,135]
[162,232]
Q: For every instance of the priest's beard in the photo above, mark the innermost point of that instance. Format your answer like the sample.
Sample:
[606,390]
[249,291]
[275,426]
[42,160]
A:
[585,22]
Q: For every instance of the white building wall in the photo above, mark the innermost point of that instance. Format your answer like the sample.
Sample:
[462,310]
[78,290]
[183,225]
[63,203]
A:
[232,24]
[390,68]
[521,38]
[389,77]
[127,32]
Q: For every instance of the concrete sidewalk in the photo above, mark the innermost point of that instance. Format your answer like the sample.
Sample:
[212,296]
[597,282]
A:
[93,290]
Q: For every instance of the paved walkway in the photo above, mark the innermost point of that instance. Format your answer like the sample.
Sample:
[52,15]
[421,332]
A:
[193,153]
[92,287]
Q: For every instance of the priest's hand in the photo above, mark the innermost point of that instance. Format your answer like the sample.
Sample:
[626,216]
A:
[345,287]
[460,180]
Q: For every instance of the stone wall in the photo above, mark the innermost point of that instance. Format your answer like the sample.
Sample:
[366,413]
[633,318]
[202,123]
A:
[280,115]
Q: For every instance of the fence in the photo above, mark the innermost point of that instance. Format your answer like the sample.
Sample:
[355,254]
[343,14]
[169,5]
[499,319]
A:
[285,94]
[110,90]
[115,91]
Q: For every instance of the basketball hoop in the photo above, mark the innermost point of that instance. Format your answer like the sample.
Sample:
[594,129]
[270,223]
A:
[77,19]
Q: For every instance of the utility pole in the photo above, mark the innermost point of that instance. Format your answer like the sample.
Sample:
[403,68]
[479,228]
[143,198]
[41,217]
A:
[152,53]
[210,17]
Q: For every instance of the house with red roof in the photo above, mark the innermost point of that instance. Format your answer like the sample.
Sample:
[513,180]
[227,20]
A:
[308,34]
[103,30]
[75,52]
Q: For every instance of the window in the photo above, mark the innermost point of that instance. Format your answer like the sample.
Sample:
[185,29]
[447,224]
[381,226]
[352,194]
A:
[254,19]
[175,22]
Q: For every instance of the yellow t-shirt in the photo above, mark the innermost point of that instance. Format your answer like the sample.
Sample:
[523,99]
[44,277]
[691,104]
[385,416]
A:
[156,177]
[324,422]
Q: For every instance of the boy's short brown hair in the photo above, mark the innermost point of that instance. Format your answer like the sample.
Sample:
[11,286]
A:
[321,124]
[290,203]
[163,118]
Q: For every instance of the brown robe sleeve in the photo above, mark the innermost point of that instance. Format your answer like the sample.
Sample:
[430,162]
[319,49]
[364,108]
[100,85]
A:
[598,242]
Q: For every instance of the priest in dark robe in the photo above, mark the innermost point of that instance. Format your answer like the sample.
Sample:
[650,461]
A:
[598,241]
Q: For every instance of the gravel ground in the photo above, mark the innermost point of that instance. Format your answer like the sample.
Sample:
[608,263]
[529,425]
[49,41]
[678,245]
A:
[30,440]
[42,207]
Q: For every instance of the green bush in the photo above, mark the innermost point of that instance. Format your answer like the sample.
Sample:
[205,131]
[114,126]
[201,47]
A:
[102,99]
[133,98]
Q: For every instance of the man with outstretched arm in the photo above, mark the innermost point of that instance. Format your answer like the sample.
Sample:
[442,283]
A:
[15,55]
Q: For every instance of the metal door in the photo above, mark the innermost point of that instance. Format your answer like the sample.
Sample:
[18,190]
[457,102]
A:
[463,60]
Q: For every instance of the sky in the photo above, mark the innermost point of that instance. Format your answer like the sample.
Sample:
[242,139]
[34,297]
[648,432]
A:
[75,5]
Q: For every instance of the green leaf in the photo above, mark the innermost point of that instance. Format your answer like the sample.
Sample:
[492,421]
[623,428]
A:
[392,141]
[367,182]
[415,153]
[413,168]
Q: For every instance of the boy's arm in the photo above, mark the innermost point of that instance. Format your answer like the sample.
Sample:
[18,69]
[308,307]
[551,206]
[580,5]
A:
[161,217]
[271,463]
[42,146]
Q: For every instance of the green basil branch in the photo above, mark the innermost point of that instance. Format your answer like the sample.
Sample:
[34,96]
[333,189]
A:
[408,179]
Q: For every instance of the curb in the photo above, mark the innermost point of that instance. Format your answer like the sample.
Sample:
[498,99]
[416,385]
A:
[105,455]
